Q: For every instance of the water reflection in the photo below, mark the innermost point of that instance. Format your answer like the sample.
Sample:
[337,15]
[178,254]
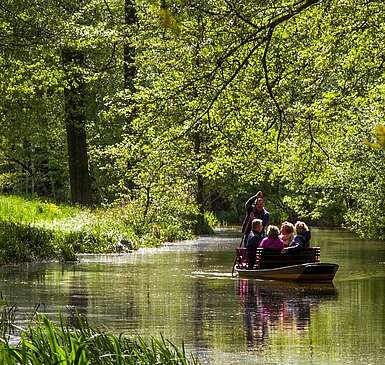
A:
[269,305]
[23,273]
[77,299]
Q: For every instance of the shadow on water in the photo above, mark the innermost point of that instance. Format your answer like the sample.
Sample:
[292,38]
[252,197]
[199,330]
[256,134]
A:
[77,300]
[272,304]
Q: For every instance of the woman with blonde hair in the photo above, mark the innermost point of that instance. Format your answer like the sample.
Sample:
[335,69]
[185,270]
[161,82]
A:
[301,239]
[272,241]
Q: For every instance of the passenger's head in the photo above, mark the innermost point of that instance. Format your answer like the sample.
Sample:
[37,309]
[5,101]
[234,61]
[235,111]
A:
[272,231]
[301,227]
[287,228]
[257,225]
[259,204]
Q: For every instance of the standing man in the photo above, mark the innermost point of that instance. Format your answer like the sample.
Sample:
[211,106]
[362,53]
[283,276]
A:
[255,209]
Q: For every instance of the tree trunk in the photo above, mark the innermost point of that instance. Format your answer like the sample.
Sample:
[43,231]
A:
[130,18]
[74,105]
[201,226]
[129,72]
[200,183]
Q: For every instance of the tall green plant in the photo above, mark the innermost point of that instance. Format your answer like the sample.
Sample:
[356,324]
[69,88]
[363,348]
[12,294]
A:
[45,342]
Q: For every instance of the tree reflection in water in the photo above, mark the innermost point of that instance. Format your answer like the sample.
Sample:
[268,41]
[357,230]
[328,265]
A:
[77,299]
[271,304]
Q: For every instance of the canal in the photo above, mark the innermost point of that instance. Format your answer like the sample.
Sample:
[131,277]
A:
[185,292]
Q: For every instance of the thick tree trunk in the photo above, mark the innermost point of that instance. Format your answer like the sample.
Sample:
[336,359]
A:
[74,104]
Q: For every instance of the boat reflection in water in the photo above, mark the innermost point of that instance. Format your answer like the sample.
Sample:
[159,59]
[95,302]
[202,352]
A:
[273,305]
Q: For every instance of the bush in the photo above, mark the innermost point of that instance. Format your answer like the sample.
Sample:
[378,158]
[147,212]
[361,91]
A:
[60,232]
[25,242]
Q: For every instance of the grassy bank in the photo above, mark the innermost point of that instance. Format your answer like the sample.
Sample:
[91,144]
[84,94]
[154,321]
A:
[33,229]
[43,342]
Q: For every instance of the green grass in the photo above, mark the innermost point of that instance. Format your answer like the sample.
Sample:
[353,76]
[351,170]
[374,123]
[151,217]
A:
[33,229]
[44,342]
[31,210]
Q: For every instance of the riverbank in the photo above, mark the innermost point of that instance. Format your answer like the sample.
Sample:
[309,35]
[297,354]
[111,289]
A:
[32,229]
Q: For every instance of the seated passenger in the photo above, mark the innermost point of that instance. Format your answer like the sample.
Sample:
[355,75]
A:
[272,241]
[253,240]
[301,239]
[287,233]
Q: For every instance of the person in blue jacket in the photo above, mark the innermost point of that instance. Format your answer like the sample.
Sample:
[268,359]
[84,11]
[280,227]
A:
[253,240]
[301,240]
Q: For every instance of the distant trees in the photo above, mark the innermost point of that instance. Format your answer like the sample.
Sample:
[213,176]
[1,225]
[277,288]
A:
[192,105]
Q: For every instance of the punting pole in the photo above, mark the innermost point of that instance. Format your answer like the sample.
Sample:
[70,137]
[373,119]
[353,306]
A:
[235,260]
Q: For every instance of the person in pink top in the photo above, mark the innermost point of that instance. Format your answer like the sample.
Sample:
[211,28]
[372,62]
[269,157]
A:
[272,241]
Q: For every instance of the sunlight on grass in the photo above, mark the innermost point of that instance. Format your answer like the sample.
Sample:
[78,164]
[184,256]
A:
[32,210]
[33,229]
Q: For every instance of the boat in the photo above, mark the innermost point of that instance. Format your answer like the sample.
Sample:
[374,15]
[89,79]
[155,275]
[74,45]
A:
[308,272]
[302,265]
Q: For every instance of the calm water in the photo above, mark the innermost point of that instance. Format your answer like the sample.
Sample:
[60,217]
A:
[185,291]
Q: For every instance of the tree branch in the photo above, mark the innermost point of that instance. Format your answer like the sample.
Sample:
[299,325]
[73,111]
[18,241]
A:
[218,93]
[313,140]
[269,89]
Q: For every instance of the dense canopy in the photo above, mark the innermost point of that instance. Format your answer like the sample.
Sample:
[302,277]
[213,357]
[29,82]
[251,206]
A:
[193,105]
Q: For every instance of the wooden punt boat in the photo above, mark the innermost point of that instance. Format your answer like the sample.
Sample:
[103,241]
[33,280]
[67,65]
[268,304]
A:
[302,265]
[309,272]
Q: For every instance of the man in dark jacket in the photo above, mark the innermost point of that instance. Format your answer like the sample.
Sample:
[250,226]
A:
[255,210]
[253,240]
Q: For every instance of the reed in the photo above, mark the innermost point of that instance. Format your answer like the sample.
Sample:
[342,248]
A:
[47,343]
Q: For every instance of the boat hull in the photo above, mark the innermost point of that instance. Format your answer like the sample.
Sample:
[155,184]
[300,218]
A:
[310,272]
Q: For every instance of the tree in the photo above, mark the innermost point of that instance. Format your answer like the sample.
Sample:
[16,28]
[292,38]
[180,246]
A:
[75,119]
[57,54]
[275,95]
[192,105]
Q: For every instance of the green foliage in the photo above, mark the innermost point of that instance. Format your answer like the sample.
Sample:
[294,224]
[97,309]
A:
[273,107]
[23,242]
[46,343]
[379,131]
[32,229]
[32,210]
[284,102]
[211,219]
